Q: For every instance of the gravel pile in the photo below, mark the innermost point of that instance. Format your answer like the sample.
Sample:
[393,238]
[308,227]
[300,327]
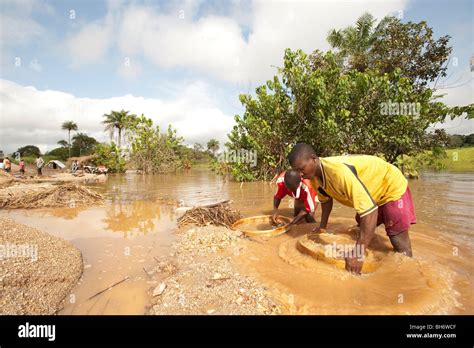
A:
[37,270]
[200,278]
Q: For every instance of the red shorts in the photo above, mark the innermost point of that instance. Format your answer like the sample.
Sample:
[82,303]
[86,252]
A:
[397,216]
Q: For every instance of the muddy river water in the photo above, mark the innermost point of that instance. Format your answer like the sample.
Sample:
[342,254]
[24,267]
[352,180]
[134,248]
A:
[135,228]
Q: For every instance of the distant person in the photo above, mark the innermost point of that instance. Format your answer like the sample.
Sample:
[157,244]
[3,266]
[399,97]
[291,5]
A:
[377,190]
[292,184]
[74,167]
[22,167]
[2,166]
[7,165]
[39,165]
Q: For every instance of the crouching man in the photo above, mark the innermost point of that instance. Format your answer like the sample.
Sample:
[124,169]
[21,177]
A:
[377,190]
[305,203]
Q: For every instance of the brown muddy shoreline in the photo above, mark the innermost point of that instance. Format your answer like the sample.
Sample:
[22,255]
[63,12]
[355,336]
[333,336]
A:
[38,270]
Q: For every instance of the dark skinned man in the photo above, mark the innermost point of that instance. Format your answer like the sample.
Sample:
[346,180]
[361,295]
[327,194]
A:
[292,184]
[376,189]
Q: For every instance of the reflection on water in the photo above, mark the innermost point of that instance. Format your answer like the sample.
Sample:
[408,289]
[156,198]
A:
[125,235]
[138,217]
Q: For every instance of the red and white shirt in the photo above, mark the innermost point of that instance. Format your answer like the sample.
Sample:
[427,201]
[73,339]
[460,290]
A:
[304,193]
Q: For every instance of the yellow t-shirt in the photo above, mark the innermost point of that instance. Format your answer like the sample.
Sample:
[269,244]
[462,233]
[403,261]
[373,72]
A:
[359,181]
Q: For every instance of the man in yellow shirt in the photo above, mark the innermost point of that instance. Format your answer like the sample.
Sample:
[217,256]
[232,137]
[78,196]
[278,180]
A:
[377,190]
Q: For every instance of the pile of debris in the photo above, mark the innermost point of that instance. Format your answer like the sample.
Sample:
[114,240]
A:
[5,179]
[67,195]
[219,214]
[199,277]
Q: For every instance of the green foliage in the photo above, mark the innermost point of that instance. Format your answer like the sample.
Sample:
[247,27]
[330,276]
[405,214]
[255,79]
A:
[334,110]
[213,146]
[239,171]
[69,126]
[355,42]
[60,153]
[392,45]
[153,151]
[349,102]
[120,121]
[457,140]
[29,150]
[82,144]
[63,143]
[110,156]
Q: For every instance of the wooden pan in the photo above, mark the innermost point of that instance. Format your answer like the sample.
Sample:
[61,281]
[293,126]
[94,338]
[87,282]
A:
[315,245]
[262,219]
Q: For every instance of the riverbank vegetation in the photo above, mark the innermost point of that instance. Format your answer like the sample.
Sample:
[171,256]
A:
[373,95]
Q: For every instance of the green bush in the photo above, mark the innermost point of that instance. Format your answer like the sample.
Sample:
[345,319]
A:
[110,156]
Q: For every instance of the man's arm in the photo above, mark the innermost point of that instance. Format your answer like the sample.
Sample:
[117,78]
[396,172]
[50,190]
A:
[326,208]
[302,213]
[355,260]
[276,204]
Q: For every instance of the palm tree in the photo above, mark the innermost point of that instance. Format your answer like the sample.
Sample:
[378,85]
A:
[69,126]
[213,145]
[354,42]
[63,143]
[117,120]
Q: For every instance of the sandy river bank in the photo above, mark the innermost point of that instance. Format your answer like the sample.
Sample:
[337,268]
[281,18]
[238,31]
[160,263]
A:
[38,270]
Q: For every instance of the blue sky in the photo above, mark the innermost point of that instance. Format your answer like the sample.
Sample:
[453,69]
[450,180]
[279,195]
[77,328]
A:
[179,62]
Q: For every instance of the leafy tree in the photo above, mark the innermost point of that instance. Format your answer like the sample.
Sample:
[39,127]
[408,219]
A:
[63,143]
[355,42]
[151,150]
[411,48]
[469,140]
[456,140]
[371,96]
[29,151]
[393,45]
[61,153]
[269,127]
[336,110]
[69,126]
[119,120]
[110,156]
[82,144]
[213,145]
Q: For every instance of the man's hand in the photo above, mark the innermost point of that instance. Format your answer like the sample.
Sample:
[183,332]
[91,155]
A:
[354,264]
[318,230]
[298,218]
[275,220]
[355,258]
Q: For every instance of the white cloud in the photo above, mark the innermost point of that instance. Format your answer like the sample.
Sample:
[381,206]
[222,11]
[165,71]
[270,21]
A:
[30,116]
[91,43]
[216,44]
[19,30]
